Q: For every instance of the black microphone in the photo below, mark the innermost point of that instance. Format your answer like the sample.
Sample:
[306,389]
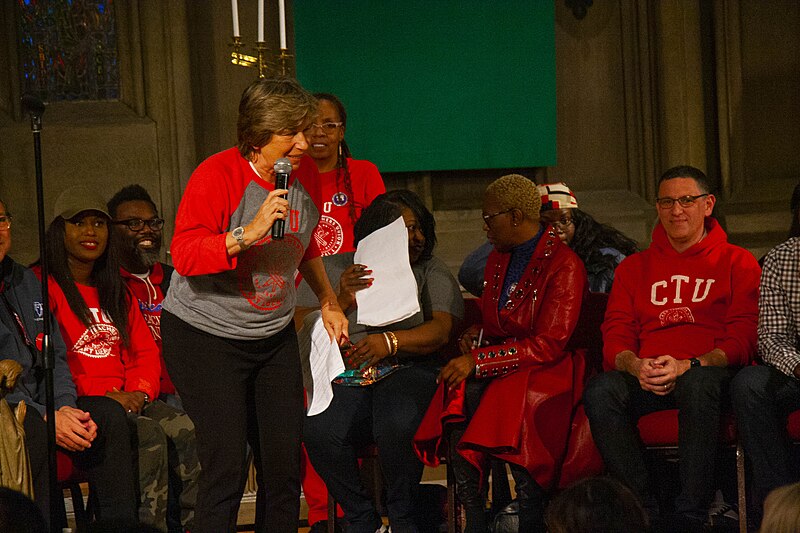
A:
[282,168]
[32,105]
[35,107]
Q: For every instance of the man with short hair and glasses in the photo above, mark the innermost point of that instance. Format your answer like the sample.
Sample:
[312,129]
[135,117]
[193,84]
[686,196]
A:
[681,318]
[764,395]
[135,220]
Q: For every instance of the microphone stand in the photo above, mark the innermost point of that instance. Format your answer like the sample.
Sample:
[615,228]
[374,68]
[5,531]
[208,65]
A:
[35,108]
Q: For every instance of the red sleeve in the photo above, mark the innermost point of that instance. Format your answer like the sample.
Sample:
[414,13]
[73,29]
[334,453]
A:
[620,327]
[213,193]
[741,321]
[141,358]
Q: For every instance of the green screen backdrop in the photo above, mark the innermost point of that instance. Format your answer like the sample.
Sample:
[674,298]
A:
[436,84]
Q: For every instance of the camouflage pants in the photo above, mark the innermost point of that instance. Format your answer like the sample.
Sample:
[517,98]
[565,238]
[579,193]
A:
[167,466]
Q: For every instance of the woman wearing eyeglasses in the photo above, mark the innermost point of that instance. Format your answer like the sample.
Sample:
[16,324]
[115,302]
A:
[342,190]
[345,185]
[511,393]
[600,246]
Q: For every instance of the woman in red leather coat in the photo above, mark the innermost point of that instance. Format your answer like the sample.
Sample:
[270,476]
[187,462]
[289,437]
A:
[511,393]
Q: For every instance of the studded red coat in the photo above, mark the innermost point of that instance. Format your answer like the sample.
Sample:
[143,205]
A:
[525,412]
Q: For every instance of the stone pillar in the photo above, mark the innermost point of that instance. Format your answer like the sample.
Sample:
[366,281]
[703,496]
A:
[680,84]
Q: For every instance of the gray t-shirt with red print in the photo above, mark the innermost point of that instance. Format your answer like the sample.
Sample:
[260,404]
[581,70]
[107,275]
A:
[249,296]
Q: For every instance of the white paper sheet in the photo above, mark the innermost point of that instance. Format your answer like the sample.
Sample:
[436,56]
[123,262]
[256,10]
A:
[321,361]
[393,295]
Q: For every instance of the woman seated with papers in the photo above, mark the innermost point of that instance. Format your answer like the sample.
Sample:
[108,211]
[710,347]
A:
[402,304]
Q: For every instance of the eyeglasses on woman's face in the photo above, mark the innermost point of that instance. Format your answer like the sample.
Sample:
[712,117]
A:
[328,128]
[487,218]
[562,223]
[5,221]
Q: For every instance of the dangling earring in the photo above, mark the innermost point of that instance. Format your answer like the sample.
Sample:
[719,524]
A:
[340,149]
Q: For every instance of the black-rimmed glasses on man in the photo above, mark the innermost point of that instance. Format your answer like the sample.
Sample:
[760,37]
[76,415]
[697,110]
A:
[136,224]
[684,201]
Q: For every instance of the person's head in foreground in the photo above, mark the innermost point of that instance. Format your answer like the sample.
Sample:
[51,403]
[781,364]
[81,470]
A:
[273,114]
[596,505]
[782,510]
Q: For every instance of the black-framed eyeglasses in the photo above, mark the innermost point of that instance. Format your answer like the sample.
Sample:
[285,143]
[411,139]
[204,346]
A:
[5,221]
[326,127]
[137,224]
[487,218]
[684,201]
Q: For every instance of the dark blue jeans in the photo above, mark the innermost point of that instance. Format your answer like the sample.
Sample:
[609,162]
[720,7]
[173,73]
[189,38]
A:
[614,401]
[762,398]
[388,414]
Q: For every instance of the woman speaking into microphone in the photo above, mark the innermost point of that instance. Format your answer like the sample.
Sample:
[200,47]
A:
[228,336]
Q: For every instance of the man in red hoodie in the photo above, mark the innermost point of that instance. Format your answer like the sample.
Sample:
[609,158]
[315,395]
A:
[136,221]
[681,318]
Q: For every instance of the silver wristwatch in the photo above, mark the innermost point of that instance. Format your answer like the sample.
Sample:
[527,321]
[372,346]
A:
[238,234]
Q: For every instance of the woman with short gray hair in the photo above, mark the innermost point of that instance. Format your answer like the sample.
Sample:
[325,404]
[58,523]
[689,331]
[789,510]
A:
[228,336]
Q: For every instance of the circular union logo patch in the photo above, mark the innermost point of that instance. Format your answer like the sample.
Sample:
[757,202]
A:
[329,235]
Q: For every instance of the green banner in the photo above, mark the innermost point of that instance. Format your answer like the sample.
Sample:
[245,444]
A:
[436,85]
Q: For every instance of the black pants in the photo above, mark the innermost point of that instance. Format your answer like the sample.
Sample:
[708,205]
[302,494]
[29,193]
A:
[614,401]
[387,413]
[763,397]
[239,392]
[108,462]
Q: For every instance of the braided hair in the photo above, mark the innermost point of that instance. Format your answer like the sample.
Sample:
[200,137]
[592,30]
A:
[342,168]
[591,236]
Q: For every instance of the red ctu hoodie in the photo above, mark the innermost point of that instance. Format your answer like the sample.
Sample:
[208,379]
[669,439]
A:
[684,304]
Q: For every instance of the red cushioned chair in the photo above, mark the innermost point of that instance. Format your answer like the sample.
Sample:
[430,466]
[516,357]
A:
[70,478]
[793,426]
[659,433]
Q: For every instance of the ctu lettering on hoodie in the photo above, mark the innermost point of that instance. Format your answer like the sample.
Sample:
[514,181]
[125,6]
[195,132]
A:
[678,287]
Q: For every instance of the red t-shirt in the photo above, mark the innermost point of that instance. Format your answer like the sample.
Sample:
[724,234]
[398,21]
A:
[334,233]
[96,356]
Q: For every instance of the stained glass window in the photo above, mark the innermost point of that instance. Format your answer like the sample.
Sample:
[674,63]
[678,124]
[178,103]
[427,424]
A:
[68,49]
